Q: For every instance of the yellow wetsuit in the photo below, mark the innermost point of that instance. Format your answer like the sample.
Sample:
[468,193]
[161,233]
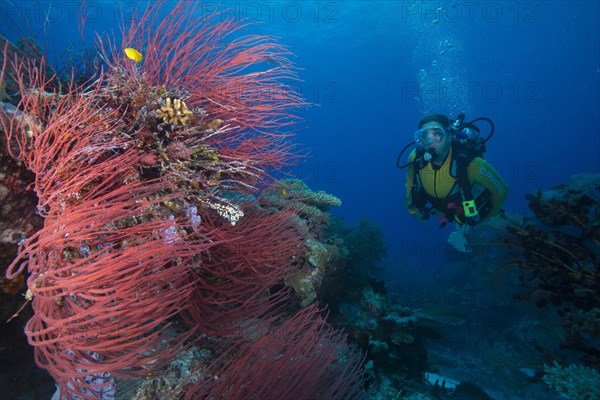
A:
[441,188]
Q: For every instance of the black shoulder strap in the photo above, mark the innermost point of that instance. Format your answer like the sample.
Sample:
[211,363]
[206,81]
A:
[463,157]
[418,195]
[417,186]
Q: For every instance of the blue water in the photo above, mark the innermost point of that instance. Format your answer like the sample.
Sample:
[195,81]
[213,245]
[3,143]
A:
[533,67]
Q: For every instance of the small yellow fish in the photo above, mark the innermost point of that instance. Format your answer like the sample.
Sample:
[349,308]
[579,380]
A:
[133,54]
[284,192]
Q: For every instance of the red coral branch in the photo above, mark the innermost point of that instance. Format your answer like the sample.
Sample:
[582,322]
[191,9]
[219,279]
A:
[245,81]
[304,358]
[253,256]
[67,139]
[107,285]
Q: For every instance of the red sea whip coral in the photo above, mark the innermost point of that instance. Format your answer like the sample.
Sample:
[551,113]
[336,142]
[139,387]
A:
[102,278]
[303,358]
[136,257]
[189,50]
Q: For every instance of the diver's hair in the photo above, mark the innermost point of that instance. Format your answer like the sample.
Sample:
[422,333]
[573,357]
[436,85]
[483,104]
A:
[440,118]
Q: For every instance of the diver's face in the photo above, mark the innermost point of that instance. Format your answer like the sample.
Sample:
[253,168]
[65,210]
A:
[437,137]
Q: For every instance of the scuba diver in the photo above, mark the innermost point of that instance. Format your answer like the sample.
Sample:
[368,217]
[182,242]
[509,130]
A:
[447,175]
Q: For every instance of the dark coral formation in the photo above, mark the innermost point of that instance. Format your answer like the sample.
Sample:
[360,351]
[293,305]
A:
[558,255]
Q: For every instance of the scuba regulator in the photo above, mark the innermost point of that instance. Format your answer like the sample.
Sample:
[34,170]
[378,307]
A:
[464,133]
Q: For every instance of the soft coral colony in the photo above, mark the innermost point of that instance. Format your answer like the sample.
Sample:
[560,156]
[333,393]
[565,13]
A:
[155,237]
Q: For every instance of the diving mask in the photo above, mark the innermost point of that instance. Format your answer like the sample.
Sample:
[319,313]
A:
[429,135]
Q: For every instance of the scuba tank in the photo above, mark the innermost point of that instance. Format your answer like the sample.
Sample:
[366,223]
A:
[467,134]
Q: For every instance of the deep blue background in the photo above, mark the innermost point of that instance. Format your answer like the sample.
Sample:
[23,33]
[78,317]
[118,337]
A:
[533,67]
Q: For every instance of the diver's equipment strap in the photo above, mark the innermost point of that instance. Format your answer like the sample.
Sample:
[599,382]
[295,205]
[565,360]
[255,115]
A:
[417,193]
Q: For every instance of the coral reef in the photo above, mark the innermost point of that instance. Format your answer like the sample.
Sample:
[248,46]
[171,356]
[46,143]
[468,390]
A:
[558,256]
[392,333]
[575,382]
[363,247]
[303,357]
[155,236]
[17,204]
[321,256]
[319,260]
[187,367]
[23,48]
[311,205]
